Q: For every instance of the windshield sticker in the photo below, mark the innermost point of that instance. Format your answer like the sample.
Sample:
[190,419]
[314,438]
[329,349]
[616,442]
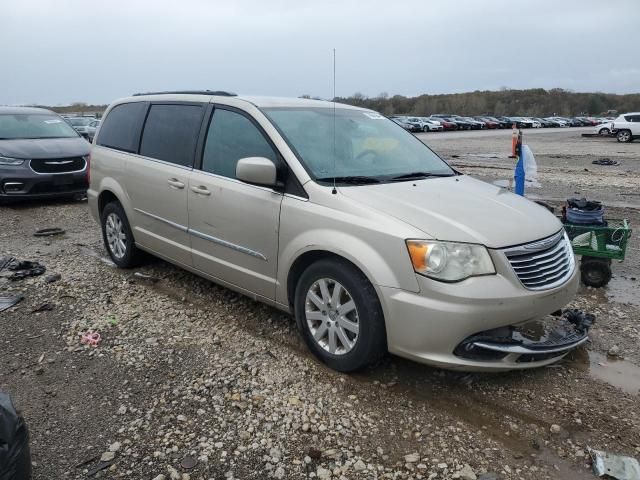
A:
[373,115]
[55,120]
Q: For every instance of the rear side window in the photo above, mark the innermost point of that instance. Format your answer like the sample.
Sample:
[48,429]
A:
[171,133]
[121,128]
[231,137]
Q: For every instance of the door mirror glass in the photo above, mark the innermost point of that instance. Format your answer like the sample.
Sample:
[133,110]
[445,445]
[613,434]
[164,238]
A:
[257,171]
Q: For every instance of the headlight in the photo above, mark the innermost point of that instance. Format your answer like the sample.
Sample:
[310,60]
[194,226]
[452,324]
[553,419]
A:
[13,162]
[448,261]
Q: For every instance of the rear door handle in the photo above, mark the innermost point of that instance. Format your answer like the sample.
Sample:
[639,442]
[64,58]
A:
[200,190]
[175,183]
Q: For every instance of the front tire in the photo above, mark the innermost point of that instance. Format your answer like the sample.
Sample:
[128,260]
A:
[118,237]
[624,136]
[604,132]
[339,315]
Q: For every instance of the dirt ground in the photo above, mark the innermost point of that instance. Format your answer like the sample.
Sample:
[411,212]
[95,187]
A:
[188,372]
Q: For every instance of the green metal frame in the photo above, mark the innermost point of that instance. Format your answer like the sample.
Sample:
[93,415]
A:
[615,235]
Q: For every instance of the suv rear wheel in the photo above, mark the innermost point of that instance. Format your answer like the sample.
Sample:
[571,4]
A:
[339,314]
[624,136]
[117,236]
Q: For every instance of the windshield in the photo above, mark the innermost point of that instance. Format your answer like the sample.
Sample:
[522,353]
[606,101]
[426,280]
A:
[366,144]
[17,126]
[79,122]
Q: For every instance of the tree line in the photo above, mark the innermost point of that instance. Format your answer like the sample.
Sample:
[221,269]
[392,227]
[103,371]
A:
[536,102]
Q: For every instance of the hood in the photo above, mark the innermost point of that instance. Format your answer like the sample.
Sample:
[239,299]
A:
[29,148]
[460,209]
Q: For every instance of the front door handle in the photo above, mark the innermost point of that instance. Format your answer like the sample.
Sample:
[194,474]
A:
[175,183]
[200,190]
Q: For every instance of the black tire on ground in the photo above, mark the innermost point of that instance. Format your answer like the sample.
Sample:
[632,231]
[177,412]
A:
[624,136]
[371,342]
[595,272]
[604,131]
[425,129]
[132,255]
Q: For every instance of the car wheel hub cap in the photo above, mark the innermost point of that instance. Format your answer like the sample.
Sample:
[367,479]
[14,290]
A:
[332,316]
[116,236]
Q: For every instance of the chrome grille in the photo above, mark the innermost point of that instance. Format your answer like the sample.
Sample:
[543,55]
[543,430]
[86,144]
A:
[58,165]
[544,264]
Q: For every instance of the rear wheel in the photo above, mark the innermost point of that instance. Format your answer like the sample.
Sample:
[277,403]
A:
[604,131]
[117,236]
[339,314]
[425,129]
[595,272]
[624,136]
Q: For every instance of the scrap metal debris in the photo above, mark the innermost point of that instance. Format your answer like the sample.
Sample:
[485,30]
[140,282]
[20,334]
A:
[45,307]
[25,268]
[8,301]
[581,320]
[146,277]
[52,278]
[614,466]
[605,161]
[48,232]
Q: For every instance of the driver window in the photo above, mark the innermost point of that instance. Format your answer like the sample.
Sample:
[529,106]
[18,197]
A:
[231,137]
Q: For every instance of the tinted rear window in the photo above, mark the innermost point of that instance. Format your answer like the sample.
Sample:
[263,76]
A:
[121,128]
[171,132]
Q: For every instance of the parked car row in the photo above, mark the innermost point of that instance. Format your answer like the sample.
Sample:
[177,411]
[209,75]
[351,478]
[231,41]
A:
[446,122]
[85,126]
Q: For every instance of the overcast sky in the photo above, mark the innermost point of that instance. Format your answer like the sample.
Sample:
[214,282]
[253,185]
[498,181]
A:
[61,51]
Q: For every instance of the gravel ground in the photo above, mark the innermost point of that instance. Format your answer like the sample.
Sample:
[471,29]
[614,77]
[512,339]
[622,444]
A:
[193,381]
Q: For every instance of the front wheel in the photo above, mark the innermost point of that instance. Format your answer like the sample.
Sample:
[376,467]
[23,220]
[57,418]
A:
[117,236]
[604,131]
[339,314]
[624,136]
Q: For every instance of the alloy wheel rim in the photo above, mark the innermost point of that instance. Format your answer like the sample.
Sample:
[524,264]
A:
[332,316]
[624,135]
[116,236]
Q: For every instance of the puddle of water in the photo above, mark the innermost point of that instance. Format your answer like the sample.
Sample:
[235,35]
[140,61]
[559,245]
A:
[619,373]
[619,290]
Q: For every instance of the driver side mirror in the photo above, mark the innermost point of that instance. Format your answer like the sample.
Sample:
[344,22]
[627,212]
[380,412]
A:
[257,171]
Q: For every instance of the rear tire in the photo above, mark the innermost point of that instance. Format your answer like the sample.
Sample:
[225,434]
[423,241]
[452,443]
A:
[624,136]
[118,237]
[425,129]
[604,132]
[595,272]
[339,315]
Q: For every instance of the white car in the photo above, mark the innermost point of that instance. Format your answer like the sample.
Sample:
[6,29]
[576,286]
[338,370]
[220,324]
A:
[534,123]
[627,127]
[433,125]
[605,129]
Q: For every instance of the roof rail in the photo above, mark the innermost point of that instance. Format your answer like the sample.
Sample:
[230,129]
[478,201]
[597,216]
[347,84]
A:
[220,93]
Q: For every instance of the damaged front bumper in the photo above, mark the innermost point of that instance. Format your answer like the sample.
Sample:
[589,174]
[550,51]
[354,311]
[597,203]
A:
[542,341]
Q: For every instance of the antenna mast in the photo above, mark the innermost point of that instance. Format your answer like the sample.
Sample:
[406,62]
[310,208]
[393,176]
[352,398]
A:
[334,191]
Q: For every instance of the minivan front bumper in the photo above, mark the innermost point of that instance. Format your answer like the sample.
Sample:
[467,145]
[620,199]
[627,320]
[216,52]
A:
[432,325]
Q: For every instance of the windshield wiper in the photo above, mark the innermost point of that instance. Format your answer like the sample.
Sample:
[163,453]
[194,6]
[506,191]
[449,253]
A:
[352,179]
[419,175]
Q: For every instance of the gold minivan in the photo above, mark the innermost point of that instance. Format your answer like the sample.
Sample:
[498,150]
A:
[339,216]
